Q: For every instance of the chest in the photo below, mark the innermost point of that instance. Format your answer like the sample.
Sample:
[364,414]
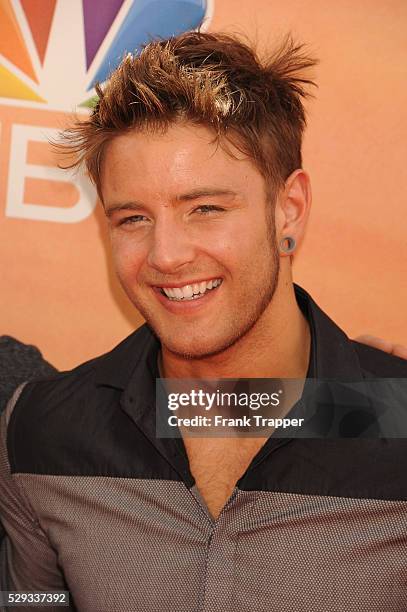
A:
[217,464]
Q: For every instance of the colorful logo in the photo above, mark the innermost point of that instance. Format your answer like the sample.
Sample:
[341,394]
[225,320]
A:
[47,44]
[52,52]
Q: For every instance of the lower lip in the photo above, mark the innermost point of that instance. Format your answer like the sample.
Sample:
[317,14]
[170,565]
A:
[186,306]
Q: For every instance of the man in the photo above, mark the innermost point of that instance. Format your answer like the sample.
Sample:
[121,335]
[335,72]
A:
[195,148]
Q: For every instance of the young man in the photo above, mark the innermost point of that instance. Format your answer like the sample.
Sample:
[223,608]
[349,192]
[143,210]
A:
[195,148]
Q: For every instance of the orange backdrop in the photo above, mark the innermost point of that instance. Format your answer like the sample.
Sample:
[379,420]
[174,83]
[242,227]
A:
[58,289]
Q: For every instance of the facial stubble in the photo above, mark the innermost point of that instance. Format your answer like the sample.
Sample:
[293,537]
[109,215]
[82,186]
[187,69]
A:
[239,329]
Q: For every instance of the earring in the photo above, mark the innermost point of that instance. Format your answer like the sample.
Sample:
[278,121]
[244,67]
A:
[287,244]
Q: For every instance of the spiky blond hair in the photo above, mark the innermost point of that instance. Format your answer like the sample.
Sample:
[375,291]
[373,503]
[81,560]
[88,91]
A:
[216,80]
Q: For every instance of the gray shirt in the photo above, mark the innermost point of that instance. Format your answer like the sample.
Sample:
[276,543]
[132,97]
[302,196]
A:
[96,503]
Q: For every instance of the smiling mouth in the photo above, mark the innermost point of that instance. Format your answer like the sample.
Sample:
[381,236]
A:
[194,291]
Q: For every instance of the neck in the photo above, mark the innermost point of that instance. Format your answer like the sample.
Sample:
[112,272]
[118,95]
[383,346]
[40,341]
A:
[277,346]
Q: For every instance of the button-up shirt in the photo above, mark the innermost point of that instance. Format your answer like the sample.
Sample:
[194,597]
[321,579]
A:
[93,502]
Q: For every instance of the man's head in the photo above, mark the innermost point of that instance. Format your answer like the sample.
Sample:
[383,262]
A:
[195,148]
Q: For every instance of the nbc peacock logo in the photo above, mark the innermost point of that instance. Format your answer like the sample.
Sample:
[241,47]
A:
[51,55]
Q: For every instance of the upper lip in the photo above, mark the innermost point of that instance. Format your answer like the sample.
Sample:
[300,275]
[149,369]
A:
[184,283]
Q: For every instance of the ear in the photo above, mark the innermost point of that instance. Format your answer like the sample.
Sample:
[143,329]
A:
[293,207]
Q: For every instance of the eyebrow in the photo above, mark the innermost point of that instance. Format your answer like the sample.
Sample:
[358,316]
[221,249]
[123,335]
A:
[205,192]
[110,210]
[185,197]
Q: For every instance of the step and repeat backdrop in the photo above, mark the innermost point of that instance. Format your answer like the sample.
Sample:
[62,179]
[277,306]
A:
[58,289]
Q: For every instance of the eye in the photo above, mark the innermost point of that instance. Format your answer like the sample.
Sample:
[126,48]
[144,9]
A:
[206,209]
[133,220]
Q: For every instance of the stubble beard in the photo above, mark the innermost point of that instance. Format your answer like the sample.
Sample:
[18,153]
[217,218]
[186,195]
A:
[251,318]
[244,325]
[238,329]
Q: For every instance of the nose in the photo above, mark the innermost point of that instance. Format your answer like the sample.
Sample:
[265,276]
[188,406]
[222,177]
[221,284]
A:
[171,247]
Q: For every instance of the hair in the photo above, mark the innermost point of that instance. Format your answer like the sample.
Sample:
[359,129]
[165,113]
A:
[210,79]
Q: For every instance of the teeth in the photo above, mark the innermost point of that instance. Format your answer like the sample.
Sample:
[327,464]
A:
[190,292]
[187,291]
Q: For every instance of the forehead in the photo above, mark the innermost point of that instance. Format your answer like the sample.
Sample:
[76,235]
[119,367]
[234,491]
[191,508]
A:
[183,157]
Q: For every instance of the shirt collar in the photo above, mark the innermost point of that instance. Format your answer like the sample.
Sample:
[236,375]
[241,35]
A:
[136,357]
[132,367]
[332,354]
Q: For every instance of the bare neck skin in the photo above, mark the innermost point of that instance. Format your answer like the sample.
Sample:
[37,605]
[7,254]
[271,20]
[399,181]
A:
[277,346]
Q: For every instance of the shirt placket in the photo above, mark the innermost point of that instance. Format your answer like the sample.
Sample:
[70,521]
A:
[217,592]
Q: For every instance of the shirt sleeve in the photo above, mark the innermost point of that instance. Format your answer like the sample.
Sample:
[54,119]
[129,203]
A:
[27,560]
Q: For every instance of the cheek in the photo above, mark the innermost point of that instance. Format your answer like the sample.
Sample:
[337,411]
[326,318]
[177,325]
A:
[247,246]
[235,240]
[127,257]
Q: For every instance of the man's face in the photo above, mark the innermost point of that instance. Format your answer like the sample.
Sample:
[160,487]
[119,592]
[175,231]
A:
[184,217]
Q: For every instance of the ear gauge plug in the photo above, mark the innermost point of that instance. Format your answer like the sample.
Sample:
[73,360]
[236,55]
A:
[287,244]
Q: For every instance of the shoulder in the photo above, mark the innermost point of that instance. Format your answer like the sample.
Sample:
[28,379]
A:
[56,417]
[377,363]
[75,384]
[116,364]
[19,362]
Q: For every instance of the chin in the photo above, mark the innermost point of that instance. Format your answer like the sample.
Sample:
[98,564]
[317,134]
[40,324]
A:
[189,348]
[197,348]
